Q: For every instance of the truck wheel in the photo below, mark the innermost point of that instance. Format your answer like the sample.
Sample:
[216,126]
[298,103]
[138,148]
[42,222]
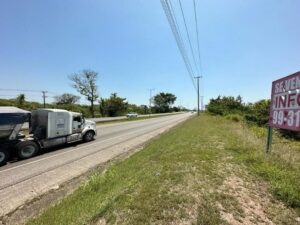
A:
[89,136]
[3,157]
[27,149]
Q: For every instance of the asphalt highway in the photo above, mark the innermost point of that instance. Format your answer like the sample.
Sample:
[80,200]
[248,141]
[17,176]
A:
[22,181]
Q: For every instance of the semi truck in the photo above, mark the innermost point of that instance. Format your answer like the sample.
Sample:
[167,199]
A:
[47,128]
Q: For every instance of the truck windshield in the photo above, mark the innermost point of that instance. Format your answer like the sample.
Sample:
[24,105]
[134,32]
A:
[77,119]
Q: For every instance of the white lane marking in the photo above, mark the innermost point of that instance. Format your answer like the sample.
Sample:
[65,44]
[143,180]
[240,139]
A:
[62,153]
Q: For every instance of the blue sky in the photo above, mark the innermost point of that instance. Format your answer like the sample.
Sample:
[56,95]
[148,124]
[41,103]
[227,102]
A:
[245,45]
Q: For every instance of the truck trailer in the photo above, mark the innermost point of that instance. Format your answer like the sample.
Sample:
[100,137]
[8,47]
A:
[47,128]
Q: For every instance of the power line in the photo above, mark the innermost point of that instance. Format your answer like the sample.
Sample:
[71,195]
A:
[177,35]
[198,45]
[20,90]
[181,42]
[173,22]
[25,90]
[188,35]
[30,95]
[8,95]
[44,96]
[172,12]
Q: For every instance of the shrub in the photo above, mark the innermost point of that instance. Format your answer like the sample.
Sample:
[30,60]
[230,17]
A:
[234,117]
[226,105]
[258,113]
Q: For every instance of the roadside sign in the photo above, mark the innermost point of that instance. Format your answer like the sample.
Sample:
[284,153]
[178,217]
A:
[285,103]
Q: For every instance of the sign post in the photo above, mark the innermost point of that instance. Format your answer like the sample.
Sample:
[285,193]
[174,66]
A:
[269,140]
[285,105]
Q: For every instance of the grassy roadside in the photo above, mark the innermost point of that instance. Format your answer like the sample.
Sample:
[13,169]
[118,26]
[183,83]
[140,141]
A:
[208,170]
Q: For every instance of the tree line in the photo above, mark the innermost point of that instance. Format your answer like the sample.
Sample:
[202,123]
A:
[85,83]
[253,113]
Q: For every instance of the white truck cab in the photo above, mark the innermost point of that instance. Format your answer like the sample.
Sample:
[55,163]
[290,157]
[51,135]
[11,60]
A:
[47,128]
[56,126]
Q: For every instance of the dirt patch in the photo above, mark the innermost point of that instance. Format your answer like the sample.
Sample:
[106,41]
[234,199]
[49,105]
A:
[257,204]
[251,203]
[101,222]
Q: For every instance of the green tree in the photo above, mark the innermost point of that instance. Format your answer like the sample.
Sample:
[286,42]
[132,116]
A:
[66,98]
[116,106]
[163,102]
[143,109]
[85,83]
[102,106]
[226,105]
[20,100]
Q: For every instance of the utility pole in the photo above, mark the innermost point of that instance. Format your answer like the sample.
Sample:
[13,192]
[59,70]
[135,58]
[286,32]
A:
[150,99]
[198,94]
[44,98]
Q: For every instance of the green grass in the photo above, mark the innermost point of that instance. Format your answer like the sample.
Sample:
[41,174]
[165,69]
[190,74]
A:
[180,178]
[282,173]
